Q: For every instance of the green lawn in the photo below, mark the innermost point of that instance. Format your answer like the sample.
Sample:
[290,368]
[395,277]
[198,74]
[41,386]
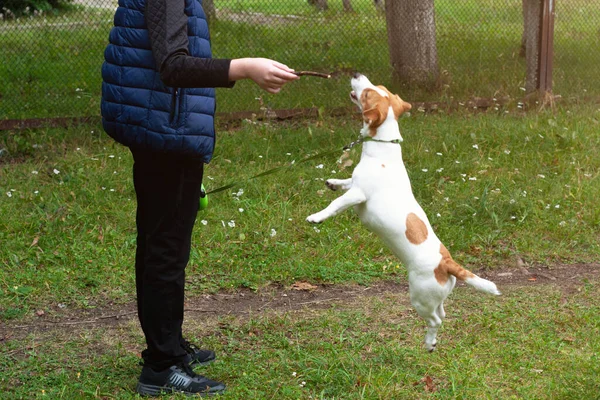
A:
[497,186]
[494,185]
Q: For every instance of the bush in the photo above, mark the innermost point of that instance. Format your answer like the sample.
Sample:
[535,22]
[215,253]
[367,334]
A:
[17,8]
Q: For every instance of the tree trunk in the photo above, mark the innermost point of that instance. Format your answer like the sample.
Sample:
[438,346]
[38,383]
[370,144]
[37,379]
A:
[523,47]
[320,4]
[412,40]
[532,19]
[347,6]
[209,9]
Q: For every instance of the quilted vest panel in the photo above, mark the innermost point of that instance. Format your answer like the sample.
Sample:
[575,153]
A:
[141,112]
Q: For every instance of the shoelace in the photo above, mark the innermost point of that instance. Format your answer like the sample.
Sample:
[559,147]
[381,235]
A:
[185,367]
[189,347]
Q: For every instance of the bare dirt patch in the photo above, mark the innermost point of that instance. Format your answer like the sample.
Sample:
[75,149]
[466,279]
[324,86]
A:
[286,299]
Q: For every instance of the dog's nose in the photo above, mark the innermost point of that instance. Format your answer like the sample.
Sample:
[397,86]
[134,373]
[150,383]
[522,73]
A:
[357,75]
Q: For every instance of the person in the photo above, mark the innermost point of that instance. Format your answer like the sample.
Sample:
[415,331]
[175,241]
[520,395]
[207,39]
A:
[158,98]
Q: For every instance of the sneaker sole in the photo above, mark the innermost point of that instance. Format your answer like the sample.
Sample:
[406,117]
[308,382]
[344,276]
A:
[153,390]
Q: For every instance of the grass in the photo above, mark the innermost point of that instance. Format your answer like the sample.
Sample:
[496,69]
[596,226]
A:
[534,342]
[477,46]
[494,185]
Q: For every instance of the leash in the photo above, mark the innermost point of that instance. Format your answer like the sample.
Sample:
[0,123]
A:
[276,169]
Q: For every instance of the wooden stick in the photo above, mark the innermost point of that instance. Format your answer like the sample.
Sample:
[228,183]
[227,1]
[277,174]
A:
[311,73]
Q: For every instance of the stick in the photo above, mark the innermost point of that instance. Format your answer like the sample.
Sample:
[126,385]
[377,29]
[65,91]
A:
[311,73]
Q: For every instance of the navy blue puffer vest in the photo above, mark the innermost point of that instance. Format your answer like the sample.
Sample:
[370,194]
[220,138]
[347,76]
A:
[141,112]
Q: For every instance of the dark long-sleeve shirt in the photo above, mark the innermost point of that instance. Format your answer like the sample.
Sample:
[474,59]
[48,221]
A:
[167,28]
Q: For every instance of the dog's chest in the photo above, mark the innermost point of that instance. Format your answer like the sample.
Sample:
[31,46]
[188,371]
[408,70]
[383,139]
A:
[373,175]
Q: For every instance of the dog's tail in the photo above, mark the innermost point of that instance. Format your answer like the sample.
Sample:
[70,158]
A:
[462,274]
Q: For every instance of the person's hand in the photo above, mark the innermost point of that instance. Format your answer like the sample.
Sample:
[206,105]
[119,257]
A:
[270,75]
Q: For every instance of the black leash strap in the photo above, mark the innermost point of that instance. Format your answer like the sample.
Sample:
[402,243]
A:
[273,170]
[276,169]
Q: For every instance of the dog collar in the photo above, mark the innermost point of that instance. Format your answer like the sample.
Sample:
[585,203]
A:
[370,139]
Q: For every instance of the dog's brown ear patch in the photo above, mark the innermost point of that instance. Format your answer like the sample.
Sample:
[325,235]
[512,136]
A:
[375,108]
[416,230]
[448,267]
[399,106]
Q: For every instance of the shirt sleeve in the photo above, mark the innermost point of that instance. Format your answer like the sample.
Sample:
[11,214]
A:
[167,28]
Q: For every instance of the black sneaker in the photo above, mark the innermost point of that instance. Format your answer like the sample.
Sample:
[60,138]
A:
[176,379]
[197,357]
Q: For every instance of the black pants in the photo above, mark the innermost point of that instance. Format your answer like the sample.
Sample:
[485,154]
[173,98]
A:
[168,191]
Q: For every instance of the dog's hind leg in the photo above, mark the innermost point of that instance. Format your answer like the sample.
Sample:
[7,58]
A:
[351,198]
[441,312]
[430,314]
[336,184]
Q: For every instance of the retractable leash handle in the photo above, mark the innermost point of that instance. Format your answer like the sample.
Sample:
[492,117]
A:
[203,199]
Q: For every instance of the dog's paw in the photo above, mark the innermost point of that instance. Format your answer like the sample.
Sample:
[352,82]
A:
[331,184]
[315,218]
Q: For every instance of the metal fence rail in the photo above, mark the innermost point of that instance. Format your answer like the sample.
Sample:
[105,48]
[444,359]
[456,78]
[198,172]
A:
[51,61]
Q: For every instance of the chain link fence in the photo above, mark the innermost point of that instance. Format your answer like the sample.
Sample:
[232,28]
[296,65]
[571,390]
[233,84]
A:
[51,59]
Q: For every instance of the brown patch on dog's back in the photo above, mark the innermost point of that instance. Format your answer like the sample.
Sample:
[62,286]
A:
[416,230]
[448,266]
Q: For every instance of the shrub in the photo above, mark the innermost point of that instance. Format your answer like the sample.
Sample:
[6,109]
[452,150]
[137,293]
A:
[16,8]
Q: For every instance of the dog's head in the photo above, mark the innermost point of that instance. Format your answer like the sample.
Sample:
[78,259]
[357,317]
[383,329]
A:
[376,103]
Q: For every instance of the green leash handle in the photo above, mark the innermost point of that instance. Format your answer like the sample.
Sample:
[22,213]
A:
[203,199]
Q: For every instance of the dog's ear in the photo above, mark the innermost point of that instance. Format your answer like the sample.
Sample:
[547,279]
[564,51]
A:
[399,106]
[374,109]
[372,116]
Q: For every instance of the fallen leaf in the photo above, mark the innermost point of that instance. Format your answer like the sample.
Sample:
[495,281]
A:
[303,286]
[39,313]
[429,386]
[35,241]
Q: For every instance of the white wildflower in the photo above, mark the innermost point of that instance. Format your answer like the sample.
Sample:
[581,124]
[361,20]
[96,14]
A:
[9,194]
[204,222]
[34,172]
[273,232]
[56,172]
[231,224]
[476,146]
[424,170]
[240,209]
[320,166]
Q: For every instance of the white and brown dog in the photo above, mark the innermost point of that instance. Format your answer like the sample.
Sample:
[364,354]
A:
[381,195]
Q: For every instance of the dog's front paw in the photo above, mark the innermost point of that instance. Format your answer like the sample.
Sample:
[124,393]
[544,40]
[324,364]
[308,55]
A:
[315,218]
[331,184]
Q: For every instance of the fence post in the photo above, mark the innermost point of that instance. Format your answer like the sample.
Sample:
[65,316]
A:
[546,55]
